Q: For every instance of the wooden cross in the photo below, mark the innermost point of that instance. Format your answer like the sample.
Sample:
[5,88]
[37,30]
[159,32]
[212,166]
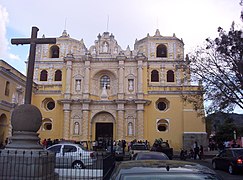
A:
[30,71]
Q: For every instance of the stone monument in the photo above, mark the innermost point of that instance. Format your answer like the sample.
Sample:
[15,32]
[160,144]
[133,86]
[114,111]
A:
[24,158]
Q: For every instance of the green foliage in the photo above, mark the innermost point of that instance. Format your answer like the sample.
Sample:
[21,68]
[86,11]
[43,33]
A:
[225,131]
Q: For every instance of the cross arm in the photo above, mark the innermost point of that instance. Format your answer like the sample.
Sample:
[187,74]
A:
[35,41]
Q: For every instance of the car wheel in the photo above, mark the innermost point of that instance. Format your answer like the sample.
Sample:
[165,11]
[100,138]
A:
[214,165]
[78,165]
[231,169]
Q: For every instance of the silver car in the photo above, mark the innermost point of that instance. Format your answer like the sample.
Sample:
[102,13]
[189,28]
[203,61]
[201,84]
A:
[72,156]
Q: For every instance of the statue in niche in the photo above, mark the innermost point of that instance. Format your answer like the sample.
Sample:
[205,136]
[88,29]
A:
[76,128]
[104,95]
[105,47]
[78,85]
[94,51]
[130,85]
[130,129]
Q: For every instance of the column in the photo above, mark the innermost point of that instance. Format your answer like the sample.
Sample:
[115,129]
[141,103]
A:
[86,128]
[140,79]
[66,123]
[121,80]
[140,122]
[85,125]
[120,124]
[68,60]
[86,79]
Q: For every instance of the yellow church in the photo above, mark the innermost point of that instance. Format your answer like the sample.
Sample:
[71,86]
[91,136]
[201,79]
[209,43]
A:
[106,93]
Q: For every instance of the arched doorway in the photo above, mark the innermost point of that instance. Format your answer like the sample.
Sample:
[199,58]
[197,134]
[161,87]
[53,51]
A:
[104,129]
[3,128]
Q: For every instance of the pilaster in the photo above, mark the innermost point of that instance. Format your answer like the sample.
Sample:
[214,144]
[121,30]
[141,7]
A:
[86,79]
[68,61]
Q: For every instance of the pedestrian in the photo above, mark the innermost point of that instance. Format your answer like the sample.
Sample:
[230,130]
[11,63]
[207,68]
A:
[201,152]
[44,143]
[196,150]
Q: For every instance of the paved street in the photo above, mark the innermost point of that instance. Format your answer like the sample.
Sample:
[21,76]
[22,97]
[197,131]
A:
[207,162]
[223,174]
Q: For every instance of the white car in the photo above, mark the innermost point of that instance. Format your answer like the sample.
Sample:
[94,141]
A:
[72,156]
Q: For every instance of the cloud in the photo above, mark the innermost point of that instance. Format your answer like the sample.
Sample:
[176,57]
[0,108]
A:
[3,40]
[14,57]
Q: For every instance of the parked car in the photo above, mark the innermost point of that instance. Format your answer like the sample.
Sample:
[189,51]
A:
[230,160]
[164,169]
[70,155]
[117,151]
[150,156]
[138,147]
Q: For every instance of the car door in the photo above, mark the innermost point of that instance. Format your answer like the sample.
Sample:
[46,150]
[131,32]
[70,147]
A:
[57,150]
[226,159]
[69,155]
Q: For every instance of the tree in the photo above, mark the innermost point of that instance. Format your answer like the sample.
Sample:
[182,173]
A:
[225,131]
[219,66]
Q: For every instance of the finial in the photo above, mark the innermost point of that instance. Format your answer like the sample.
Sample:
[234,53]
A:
[147,34]
[157,33]
[128,48]
[64,34]
[43,36]
[174,35]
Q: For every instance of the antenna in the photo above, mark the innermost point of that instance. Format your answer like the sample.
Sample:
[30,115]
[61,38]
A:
[157,22]
[65,25]
[107,25]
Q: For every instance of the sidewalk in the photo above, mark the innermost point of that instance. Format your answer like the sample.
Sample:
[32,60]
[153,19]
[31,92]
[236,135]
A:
[207,154]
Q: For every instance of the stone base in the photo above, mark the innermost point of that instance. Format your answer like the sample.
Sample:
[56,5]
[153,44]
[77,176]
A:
[24,140]
[189,139]
[27,165]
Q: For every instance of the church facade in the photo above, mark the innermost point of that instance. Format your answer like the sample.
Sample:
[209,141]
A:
[11,94]
[106,93]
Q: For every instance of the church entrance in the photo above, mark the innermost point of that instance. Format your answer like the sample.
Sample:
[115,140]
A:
[104,134]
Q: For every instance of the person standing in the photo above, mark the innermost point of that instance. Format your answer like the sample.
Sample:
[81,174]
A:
[196,150]
[201,152]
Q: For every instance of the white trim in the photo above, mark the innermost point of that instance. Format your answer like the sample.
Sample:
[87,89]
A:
[189,110]
[195,133]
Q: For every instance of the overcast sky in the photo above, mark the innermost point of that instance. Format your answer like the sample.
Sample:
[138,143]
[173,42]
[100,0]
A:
[191,20]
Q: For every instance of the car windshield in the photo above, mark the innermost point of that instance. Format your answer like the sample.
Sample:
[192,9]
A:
[117,148]
[139,147]
[238,152]
[152,156]
[162,176]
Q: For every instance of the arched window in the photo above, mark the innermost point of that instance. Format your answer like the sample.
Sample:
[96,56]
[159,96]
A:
[7,88]
[43,75]
[161,51]
[154,76]
[47,124]
[170,76]
[130,129]
[105,82]
[58,75]
[54,52]
[76,128]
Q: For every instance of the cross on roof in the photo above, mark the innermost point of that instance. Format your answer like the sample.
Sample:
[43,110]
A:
[32,41]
